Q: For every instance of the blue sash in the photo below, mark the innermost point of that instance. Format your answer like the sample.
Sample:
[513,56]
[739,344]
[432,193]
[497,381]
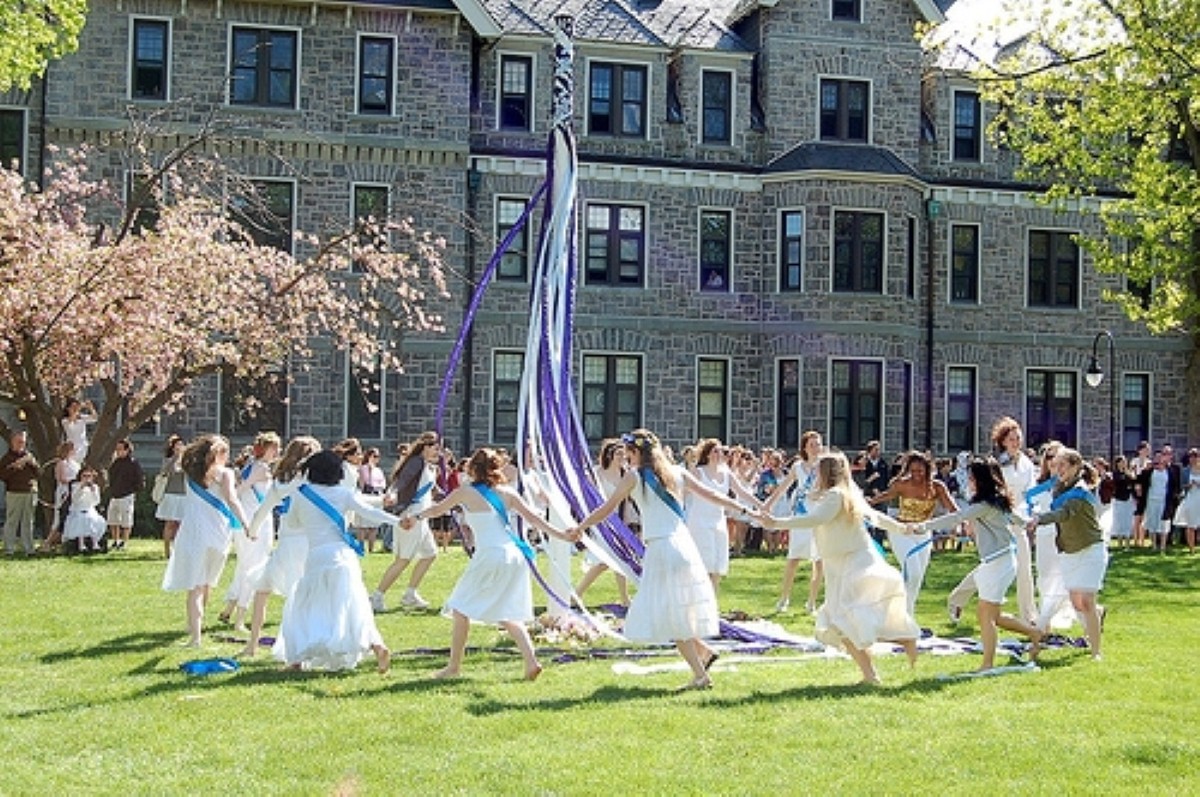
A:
[331,512]
[285,505]
[1038,489]
[654,484]
[1075,492]
[421,493]
[802,494]
[215,503]
[1011,550]
[245,474]
[490,496]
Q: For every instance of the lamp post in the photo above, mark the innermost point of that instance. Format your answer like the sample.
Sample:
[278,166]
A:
[1095,375]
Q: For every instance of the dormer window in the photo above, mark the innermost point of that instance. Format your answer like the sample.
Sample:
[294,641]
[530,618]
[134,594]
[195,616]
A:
[845,110]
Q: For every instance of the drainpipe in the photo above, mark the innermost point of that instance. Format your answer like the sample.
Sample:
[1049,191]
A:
[933,209]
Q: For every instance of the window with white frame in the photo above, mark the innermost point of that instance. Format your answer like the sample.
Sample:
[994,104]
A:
[716,250]
[1135,411]
[507,367]
[376,75]
[961,402]
[514,265]
[791,250]
[267,212]
[516,92]
[968,126]
[150,59]
[855,402]
[845,109]
[364,397]
[263,65]
[964,263]
[712,398]
[858,251]
[611,394]
[1051,406]
[1053,268]
[787,403]
[615,245]
[716,111]
[617,99]
[12,138]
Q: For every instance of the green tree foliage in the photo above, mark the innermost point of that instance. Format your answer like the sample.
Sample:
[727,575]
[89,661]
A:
[34,31]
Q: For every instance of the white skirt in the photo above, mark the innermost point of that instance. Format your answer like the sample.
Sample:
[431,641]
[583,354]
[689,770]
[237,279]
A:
[285,566]
[1084,571]
[170,507]
[494,587]
[801,545]
[84,525]
[1188,513]
[993,578]
[416,543]
[713,546]
[675,599]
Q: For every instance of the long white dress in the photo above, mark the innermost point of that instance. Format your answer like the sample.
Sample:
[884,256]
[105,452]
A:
[865,599]
[83,521]
[65,472]
[1188,513]
[327,622]
[675,598]
[706,521]
[201,545]
[495,586]
[285,564]
[251,553]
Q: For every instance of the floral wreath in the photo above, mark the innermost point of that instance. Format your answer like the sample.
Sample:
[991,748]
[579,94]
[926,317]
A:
[642,441]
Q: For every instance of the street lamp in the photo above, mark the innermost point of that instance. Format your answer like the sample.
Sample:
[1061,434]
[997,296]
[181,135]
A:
[1095,375]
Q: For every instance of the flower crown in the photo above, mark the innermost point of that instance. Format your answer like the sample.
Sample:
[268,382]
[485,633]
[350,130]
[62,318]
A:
[642,441]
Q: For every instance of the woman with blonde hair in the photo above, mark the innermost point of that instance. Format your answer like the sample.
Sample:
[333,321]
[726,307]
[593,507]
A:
[865,600]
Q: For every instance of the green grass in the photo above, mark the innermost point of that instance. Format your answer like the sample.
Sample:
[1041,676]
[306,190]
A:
[93,702]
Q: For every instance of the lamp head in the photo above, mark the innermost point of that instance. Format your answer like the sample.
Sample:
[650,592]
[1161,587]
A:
[1094,373]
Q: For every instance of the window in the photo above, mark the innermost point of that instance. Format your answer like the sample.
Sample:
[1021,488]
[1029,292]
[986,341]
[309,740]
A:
[845,108]
[616,245]
[787,404]
[617,100]
[846,10]
[364,401]
[515,263]
[12,138]
[712,392]
[516,92]
[855,402]
[250,406]
[1135,411]
[612,394]
[858,251]
[143,200]
[716,250]
[1050,407]
[968,127]
[960,409]
[964,263]
[376,62]
[1053,269]
[150,59]
[371,211]
[267,214]
[507,367]
[791,250]
[910,259]
[716,112]
[263,67]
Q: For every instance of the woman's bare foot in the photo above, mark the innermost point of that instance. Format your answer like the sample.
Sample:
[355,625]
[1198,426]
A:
[532,673]
[383,659]
[871,681]
[697,683]
[445,674]
[1035,646]
[910,650]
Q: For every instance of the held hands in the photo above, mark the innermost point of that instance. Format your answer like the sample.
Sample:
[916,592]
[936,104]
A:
[1032,524]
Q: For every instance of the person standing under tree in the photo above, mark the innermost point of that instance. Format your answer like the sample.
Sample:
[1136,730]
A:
[19,472]
[125,478]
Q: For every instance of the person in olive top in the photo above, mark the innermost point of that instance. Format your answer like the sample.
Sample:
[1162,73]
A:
[125,478]
[19,472]
[1080,541]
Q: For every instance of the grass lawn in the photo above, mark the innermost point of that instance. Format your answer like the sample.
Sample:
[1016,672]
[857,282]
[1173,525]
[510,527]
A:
[94,703]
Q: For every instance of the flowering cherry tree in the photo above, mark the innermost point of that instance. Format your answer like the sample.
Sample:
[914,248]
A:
[135,300]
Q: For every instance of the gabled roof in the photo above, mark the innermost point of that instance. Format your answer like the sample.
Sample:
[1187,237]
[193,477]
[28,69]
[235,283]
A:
[823,157]
[932,10]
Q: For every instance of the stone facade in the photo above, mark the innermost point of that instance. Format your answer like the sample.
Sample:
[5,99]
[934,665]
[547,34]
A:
[883,361]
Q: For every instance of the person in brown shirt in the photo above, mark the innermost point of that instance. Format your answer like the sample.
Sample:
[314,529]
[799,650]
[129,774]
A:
[19,472]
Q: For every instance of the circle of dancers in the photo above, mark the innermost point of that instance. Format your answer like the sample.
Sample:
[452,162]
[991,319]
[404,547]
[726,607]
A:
[298,515]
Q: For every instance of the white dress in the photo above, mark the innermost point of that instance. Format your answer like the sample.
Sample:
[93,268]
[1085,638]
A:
[285,564]
[418,542]
[495,586]
[327,622]
[800,541]
[201,545]
[675,599]
[1188,513]
[865,599]
[706,522]
[83,521]
[76,432]
[251,554]
[65,472]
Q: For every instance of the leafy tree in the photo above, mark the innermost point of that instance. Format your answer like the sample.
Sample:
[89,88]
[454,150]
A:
[1103,97]
[139,298]
[34,31]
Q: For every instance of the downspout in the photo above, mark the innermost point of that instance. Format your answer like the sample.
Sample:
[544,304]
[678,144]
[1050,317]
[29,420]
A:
[933,209]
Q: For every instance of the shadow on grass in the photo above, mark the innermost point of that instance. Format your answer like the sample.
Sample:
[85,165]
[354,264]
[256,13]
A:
[130,643]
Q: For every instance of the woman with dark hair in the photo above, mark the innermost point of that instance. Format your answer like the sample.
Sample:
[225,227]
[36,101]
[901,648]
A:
[494,588]
[707,521]
[173,492]
[611,470]
[675,601]
[414,482]
[991,511]
[209,515]
[327,622]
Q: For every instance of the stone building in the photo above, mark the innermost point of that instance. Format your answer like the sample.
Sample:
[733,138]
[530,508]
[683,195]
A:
[787,220]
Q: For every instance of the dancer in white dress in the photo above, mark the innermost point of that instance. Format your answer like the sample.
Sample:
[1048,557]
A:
[707,521]
[285,565]
[865,601]
[77,416]
[675,601]
[327,622]
[66,471]
[414,487]
[252,552]
[792,495]
[83,522]
[494,588]
[209,516]
[1188,513]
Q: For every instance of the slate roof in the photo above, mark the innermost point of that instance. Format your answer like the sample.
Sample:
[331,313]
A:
[862,158]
